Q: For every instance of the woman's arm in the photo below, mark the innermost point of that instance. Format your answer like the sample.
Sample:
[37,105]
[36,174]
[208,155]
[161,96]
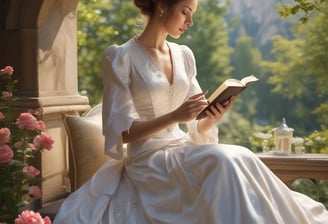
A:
[187,111]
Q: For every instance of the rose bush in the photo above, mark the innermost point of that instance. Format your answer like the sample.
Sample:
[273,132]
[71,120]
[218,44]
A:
[30,217]
[21,139]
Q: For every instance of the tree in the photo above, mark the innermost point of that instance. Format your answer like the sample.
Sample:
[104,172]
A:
[315,49]
[100,24]
[246,60]
[234,128]
[305,8]
[300,71]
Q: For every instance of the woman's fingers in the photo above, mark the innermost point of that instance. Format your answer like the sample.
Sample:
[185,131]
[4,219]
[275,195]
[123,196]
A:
[199,96]
[216,111]
[229,102]
[198,102]
[191,108]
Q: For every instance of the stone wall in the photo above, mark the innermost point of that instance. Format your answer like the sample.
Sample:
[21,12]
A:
[38,38]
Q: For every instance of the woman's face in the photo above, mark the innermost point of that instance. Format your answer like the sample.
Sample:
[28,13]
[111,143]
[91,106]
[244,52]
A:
[179,17]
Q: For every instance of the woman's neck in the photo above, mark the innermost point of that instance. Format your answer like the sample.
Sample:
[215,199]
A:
[153,37]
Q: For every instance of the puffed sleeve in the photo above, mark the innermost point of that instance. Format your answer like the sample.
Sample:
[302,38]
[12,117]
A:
[211,135]
[118,110]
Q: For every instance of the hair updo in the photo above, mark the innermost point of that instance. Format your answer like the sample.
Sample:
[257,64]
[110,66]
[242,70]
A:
[147,7]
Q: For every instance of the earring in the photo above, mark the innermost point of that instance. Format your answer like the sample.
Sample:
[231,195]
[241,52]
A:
[161,13]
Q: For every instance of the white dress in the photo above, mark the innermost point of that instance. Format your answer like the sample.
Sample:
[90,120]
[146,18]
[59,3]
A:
[175,177]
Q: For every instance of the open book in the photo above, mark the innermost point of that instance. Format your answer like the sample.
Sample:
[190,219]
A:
[229,88]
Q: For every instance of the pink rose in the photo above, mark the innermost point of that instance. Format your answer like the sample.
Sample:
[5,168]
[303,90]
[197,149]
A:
[6,154]
[41,126]
[32,146]
[2,116]
[27,121]
[44,141]
[35,191]
[47,220]
[6,95]
[4,135]
[31,217]
[18,144]
[36,112]
[8,70]
[31,171]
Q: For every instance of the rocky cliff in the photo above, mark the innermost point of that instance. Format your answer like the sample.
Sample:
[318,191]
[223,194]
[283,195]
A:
[258,19]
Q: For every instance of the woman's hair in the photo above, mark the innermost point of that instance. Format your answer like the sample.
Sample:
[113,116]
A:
[147,7]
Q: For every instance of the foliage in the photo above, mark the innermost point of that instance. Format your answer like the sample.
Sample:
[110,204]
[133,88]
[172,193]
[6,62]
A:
[321,112]
[304,7]
[262,140]
[317,190]
[234,129]
[299,73]
[289,63]
[21,140]
[245,49]
[317,142]
[100,23]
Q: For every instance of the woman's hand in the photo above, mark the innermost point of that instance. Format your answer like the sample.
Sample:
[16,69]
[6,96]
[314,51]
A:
[214,114]
[190,108]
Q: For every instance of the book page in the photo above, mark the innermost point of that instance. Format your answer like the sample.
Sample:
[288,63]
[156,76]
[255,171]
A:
[248,80]
[223,86]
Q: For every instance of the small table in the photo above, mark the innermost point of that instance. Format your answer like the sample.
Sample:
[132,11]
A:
[291,167]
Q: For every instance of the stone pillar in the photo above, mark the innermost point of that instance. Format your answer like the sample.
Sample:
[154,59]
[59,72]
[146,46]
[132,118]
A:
[38,38]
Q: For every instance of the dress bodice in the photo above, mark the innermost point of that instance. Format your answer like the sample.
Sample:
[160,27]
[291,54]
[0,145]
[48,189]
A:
[152,94]
[136,89]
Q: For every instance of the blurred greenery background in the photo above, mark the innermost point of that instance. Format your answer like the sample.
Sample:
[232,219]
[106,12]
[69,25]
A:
[292,66]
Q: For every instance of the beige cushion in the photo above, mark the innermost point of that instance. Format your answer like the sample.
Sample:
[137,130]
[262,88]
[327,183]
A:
[86,144]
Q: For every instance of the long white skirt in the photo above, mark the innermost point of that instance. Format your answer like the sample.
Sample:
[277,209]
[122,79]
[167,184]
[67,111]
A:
[208,184]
